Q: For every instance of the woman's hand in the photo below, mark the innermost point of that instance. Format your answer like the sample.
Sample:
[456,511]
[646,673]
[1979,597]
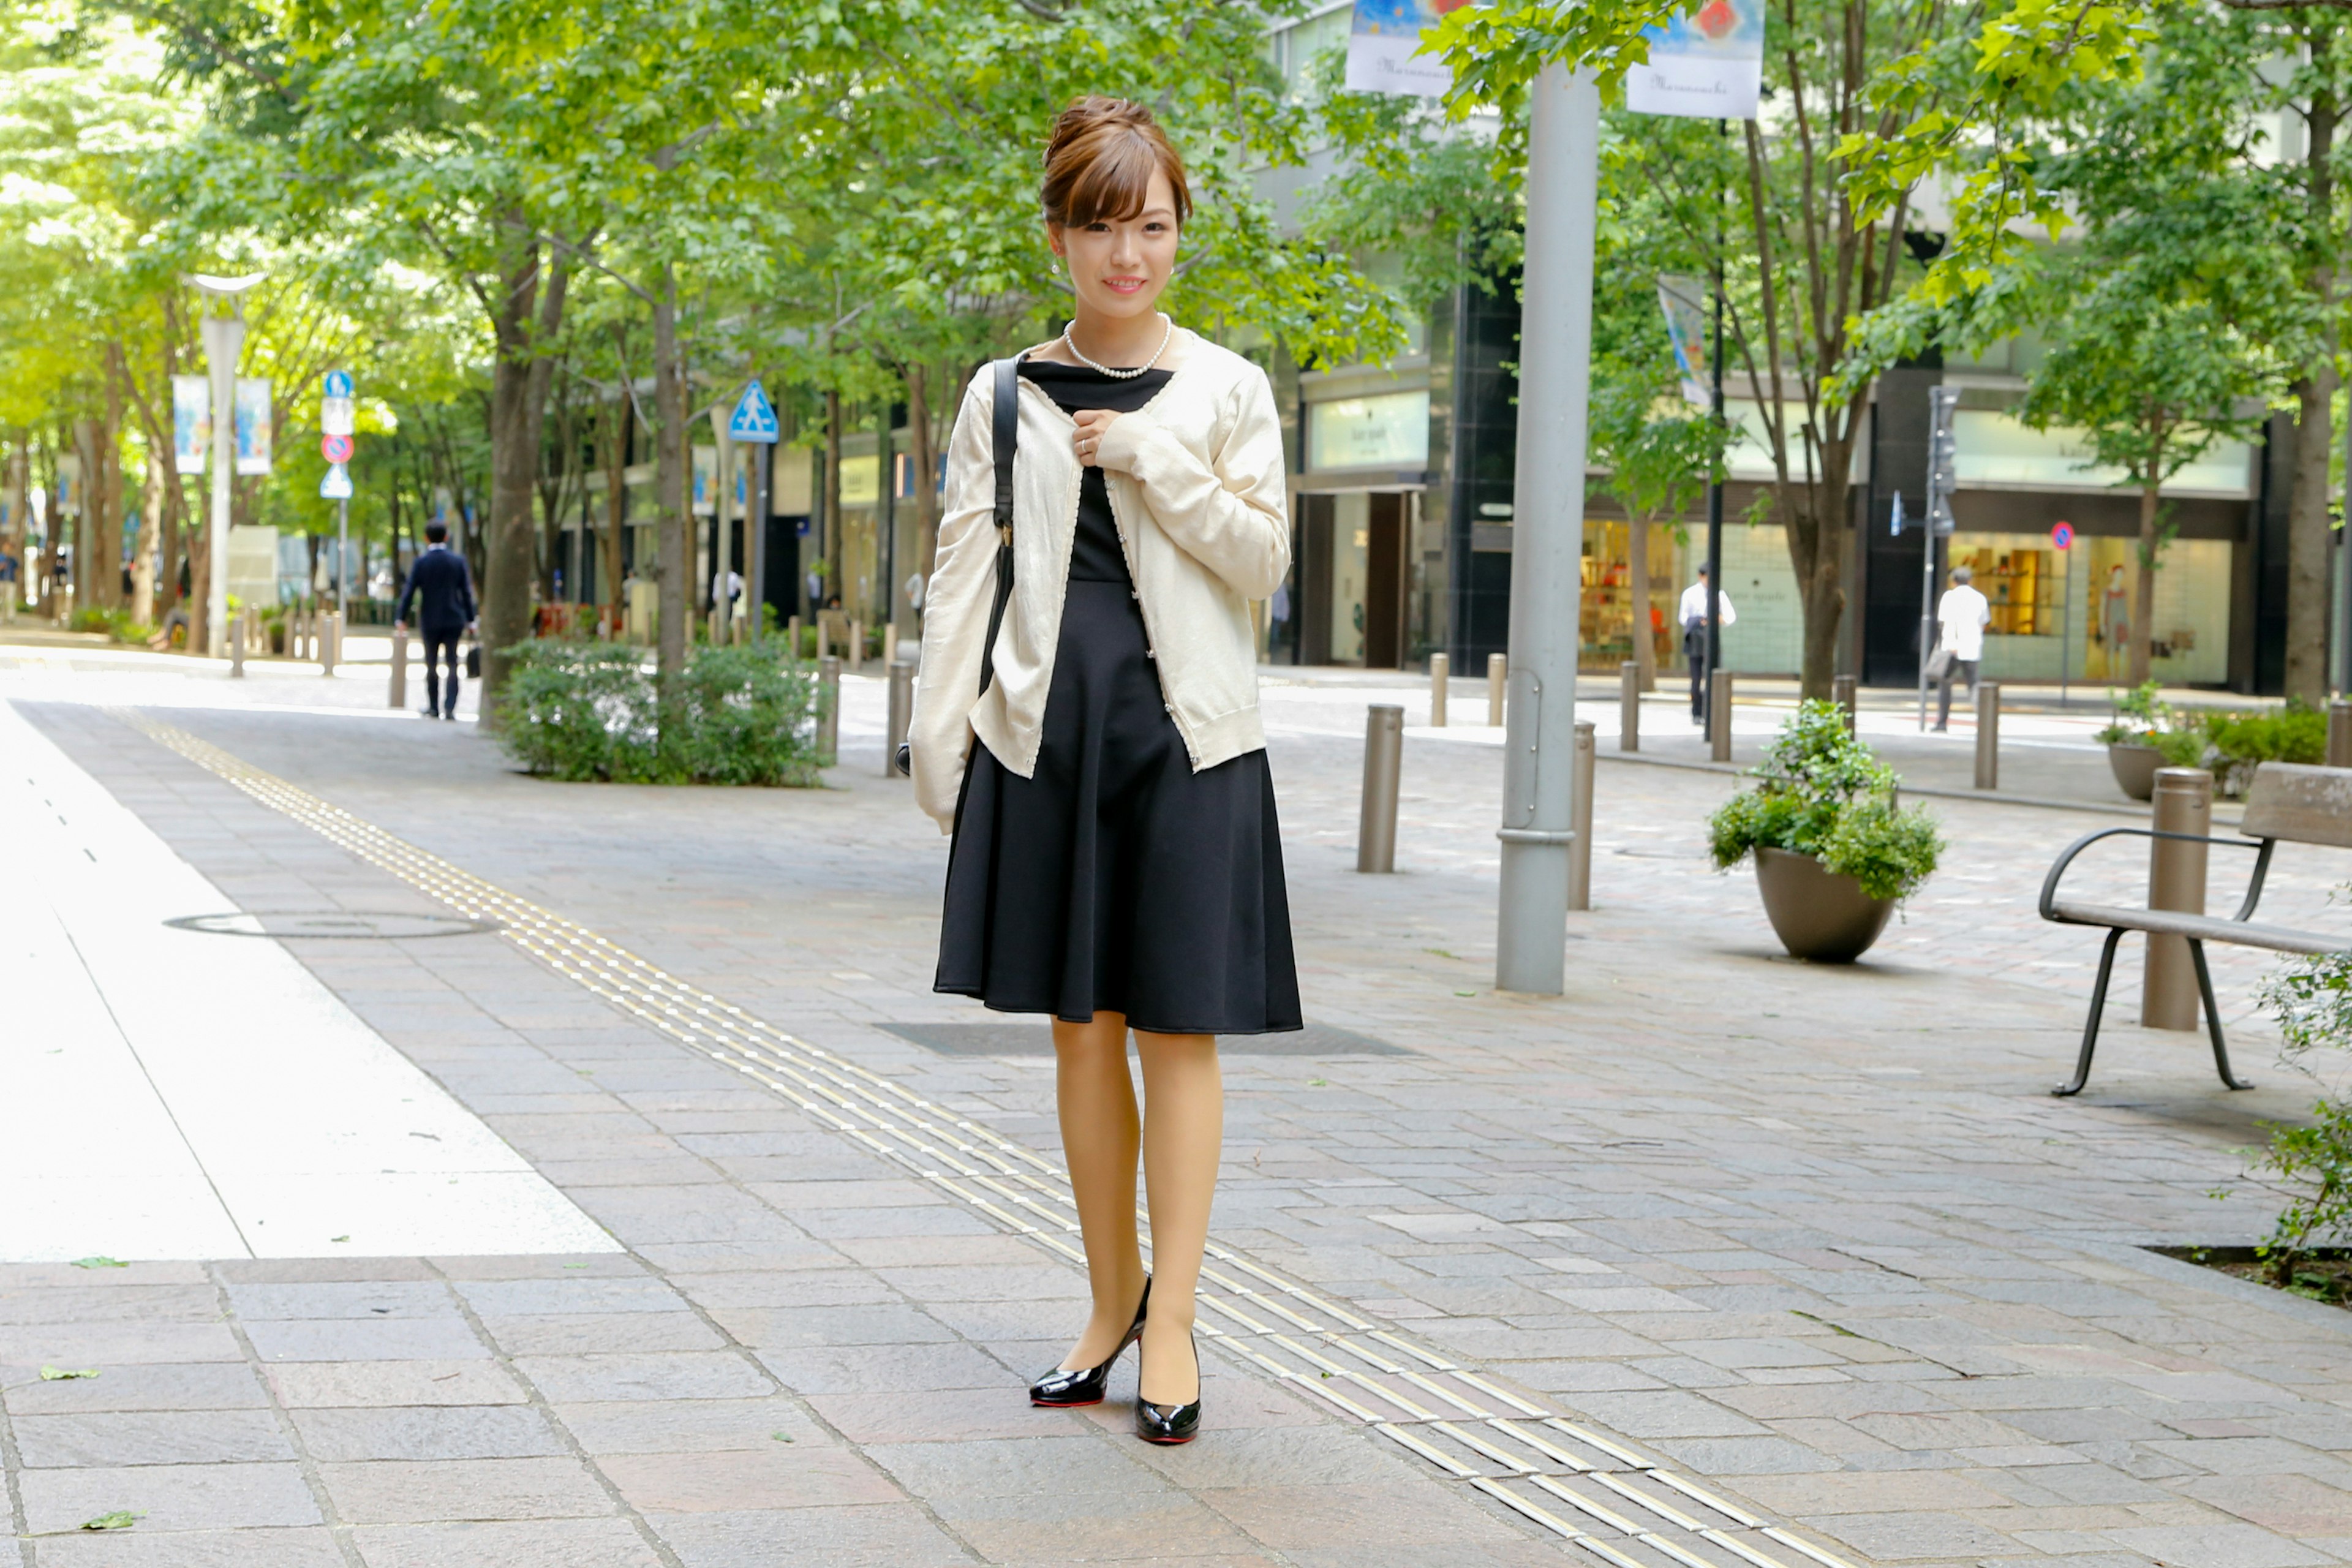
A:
[1093,422]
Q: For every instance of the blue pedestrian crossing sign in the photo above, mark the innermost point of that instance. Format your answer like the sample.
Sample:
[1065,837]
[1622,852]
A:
[755,418]
[337,485]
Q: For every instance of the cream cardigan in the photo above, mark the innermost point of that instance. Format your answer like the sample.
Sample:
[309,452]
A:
[1196,486]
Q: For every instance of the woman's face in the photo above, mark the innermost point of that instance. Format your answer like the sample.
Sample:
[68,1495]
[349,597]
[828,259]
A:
[1119,266]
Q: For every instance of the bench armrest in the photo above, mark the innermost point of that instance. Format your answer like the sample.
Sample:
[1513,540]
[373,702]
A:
[2066,859]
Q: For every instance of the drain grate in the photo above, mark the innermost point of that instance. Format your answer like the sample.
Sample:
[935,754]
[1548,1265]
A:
[373,925]
[1037,1040]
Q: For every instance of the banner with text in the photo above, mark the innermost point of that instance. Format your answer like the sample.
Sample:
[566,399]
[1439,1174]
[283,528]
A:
[192,422]
[1707,65]
[1383,43]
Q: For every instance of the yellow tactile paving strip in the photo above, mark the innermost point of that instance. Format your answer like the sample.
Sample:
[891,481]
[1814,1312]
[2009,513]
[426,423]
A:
[1628,1508]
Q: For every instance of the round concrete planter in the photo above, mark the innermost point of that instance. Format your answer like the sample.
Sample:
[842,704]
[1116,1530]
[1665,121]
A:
[1820,915]
[2135,768]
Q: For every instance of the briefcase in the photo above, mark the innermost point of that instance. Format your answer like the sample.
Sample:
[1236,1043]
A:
[473,662]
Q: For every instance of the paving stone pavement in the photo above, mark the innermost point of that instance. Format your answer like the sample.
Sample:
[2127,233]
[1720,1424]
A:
[1820,1236]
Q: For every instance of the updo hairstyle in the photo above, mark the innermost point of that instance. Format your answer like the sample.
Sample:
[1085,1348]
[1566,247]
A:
[1100,160]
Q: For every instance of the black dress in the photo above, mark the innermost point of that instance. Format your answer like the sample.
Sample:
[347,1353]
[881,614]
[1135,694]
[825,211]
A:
[1116,878]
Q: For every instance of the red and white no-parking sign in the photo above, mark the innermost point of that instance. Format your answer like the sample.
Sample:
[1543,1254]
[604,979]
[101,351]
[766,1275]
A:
[337,449]
[2063,536]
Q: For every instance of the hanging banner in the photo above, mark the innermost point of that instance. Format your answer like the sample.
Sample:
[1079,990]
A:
[1684,300]
[67,499]
[192,422]
[253,433]
[1384,45]
[1707,65]
[706,481]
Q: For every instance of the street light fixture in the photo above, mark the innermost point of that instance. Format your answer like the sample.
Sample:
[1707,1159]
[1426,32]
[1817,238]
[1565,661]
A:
[224,342]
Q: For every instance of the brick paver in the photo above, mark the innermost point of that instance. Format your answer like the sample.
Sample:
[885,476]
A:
[1818,1236]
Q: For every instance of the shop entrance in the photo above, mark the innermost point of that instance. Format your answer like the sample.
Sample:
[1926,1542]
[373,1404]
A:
[1348,579]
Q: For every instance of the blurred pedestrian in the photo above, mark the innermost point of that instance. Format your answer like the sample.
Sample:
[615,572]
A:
[1961,616]
[1116,861]
[1693,619]
[444,591]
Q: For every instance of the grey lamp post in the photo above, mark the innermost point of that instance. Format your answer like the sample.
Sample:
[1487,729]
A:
[223,342]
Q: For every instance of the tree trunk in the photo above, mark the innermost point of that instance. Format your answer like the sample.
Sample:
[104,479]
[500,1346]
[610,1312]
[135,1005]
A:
[1815,520]
[926,466]
[1645,643]
[2307,529]
[832,537]
[97,576]
[670,479]
[2143,612]
[518,380]
[110,492]
[616,497]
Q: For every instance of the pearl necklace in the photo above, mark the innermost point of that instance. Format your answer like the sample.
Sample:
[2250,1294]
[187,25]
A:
[1121,374]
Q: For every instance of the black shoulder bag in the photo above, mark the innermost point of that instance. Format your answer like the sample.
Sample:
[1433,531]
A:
[1006,430]
[1004,437]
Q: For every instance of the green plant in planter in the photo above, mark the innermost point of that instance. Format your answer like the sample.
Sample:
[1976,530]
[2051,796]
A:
[1824,793]
[576,708]
[2142,718]
[2242,742]
[2309,1167]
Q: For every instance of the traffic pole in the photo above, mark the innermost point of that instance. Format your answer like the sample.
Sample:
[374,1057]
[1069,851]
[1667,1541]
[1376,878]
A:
[1548,533]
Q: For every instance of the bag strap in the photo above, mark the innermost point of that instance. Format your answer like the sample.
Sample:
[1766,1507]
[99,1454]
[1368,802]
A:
[1005,431]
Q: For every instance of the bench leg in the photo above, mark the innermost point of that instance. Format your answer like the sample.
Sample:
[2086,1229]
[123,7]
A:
[2090,1025]
[2213,1018]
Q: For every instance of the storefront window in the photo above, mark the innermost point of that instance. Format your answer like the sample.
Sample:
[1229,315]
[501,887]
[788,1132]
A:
[2072,610]
[1611,618]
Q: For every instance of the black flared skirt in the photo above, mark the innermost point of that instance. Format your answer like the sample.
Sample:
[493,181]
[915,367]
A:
[1116,878]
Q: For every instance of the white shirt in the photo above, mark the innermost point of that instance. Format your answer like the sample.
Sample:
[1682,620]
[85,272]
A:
[1694,610]
[1962,615]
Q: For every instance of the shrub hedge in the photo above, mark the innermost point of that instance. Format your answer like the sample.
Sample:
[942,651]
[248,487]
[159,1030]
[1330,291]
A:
[580,710]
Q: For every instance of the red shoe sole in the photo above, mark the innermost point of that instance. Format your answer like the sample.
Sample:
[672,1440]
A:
[1062,1404]
[1167,1442]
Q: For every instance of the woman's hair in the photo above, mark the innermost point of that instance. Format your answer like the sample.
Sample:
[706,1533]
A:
[1100,160]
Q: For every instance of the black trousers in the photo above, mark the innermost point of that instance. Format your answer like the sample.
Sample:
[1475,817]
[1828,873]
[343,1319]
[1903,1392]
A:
[436,644]
[1694,655]
[1963,670]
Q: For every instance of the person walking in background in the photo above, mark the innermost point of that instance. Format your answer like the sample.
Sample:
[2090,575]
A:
[444,591]
[1961,616]
[1693,619]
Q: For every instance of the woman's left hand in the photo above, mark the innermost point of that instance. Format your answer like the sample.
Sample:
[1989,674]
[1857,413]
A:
[1093,422]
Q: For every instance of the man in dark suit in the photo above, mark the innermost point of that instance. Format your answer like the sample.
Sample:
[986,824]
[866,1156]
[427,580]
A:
[445,591]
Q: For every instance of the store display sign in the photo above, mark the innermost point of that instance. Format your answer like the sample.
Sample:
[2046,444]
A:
[253,432]
[192,422]
[861,480]
[1390,430]
[1384,48]
[1706,65]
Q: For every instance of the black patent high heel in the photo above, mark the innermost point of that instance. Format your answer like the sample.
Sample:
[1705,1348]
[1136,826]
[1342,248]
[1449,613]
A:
[1170,1424]
[1067,1387]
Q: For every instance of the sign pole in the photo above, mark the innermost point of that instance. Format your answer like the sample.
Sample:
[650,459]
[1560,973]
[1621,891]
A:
[342,561]
[223,342]
[755,428]
[1537,831]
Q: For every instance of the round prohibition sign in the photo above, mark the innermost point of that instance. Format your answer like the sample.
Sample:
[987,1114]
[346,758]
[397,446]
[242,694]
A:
[335,448]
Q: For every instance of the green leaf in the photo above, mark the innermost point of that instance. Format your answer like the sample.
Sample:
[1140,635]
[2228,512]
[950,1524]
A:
[100,1262]
[121,1519]
[60,1375]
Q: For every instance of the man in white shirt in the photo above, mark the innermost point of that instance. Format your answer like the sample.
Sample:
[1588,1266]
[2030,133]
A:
[1961,616]
[1693,616]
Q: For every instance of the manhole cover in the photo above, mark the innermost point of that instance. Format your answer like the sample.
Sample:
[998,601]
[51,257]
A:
[1037,1040]
[369,924]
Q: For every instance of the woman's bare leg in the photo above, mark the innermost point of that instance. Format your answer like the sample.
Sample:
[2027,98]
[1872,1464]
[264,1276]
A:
[1099,1136]
[1183,1137]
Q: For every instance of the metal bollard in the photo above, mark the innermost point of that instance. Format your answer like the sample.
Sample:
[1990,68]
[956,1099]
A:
[1629,710]
[902,713]
[828,727]
[1842,692]
[1383,763]
[399,667]
[856,645]
[237,649]
[889,644]
[1498,672]
[1580,852]
[2339,734]
[1987,734]
[2176,881]
[792,635]
[331,636]
[1719,713]
[823,638]
[1441,670]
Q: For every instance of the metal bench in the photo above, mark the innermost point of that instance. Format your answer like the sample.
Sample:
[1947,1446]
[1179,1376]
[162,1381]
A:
[2289,803]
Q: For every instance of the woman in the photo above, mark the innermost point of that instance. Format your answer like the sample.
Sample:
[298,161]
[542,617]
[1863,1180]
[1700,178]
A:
[1117,863]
